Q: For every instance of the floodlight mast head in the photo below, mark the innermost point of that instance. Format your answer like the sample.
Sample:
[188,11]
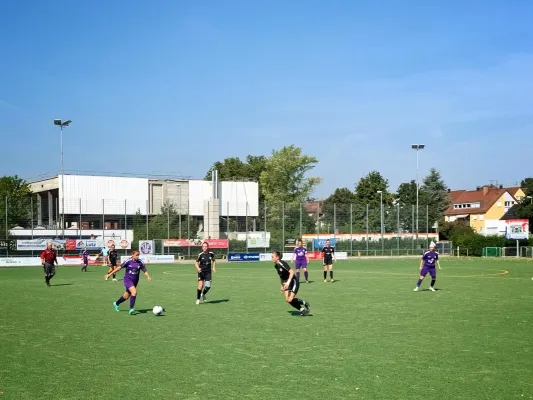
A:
[418,146]
[61,123]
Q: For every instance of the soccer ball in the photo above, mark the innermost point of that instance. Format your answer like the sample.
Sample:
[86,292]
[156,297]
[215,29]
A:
[157,310]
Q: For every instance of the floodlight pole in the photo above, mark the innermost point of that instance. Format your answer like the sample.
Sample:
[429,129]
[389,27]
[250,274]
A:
[417,147]
[62,124]
[381,221]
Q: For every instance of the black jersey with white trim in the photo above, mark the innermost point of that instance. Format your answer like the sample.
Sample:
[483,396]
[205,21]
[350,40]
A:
[283,270]
[205,260]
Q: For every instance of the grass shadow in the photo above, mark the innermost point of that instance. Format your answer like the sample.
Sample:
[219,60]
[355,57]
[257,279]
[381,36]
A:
[297,314]
[147,310]
[62,284]
[217,301]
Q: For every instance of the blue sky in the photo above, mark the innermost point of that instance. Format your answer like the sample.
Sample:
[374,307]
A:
[172,86]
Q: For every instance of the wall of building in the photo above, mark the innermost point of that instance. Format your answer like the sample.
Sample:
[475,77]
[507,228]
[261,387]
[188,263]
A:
[104,195]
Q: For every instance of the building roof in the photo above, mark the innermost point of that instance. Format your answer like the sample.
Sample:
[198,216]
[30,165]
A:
[511,213]
[485,195]
[311,207]
[514,190]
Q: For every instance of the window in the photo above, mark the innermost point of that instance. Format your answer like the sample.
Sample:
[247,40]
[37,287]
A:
[481,217]
[508,203]
[474,217]
[499,204]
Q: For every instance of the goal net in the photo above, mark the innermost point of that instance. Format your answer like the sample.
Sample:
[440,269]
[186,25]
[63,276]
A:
[492,252]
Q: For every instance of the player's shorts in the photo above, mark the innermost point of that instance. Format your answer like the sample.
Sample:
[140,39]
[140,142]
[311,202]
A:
[204,276]
[49,269]
[294,286]
[85,261]
[300,264]
[129,283]
[428,270]
[113,263]
[328,261]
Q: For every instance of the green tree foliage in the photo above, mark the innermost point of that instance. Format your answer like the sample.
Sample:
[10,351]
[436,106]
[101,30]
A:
[527,186]
[337,208]
[434,195]
[366,193]
[15,195]
[406,199]
[285,179]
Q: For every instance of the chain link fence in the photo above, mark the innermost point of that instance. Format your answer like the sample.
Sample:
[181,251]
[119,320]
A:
[368,229]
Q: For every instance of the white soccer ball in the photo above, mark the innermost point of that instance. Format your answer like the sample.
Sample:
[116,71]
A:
[157,310]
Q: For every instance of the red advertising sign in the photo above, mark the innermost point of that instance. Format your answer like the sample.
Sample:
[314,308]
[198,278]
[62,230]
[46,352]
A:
[213,243]
[70,244]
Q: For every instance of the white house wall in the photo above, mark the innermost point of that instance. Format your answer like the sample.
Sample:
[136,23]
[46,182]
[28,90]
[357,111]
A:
[241,198]
[104,194]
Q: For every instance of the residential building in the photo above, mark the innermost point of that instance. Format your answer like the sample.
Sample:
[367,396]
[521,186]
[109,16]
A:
[483,208]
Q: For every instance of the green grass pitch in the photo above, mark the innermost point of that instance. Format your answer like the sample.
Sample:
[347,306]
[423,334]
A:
[369,337]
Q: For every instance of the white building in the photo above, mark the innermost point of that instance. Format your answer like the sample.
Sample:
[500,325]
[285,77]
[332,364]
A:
[105,202]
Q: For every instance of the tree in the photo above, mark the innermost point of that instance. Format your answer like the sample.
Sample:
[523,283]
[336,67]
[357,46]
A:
[366,193]
[527,186]
[15,197]
[339,204]
[406,199]
[284,177]
[434,195]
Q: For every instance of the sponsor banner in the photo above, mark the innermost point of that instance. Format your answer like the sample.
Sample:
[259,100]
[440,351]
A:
[291,243]
[80,244]
[261,242]
[20,262]
[152,259]
[8,245]
[39,244]
[313,255]
[265,257]
[243,257]
[77,260]
[119,244]
[341,255]
[146,247]
[319,243]
[517,229]
[213,243]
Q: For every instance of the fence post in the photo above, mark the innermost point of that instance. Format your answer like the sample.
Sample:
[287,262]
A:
[413,225]
[246,223]
[399,232]
[227,224]
[283,224]
[80,221]
[367,210]
[7,235]
[147,210]
[351,229]
[265,213]
[334,219]
[103,220]
[301,210]
[427,224]
[126,224]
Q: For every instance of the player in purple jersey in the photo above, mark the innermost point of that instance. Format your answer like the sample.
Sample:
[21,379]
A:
[427,265]
[302,260]
[131,279]
[85,256]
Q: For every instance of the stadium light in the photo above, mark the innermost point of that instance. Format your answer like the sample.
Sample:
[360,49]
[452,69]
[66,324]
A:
[417,147]
[61,124]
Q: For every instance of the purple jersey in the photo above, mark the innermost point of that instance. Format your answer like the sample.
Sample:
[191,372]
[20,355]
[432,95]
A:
[132,269]
[430,258]
[85,255]
[301,253]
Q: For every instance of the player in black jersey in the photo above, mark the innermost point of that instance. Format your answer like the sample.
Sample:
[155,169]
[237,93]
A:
[328,254]
[112,260]
[204,263]
[289,284]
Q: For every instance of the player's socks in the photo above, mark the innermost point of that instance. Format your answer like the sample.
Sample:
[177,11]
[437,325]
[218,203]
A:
[331,275]
[198,294]
[206,289]
[121,299]
[419,283]
[325,275]
[432,283]
[298,274]
[114,276]
[306,274]
[132,301]
[296,303]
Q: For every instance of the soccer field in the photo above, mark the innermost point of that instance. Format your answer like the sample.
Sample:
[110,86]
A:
[369,336]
